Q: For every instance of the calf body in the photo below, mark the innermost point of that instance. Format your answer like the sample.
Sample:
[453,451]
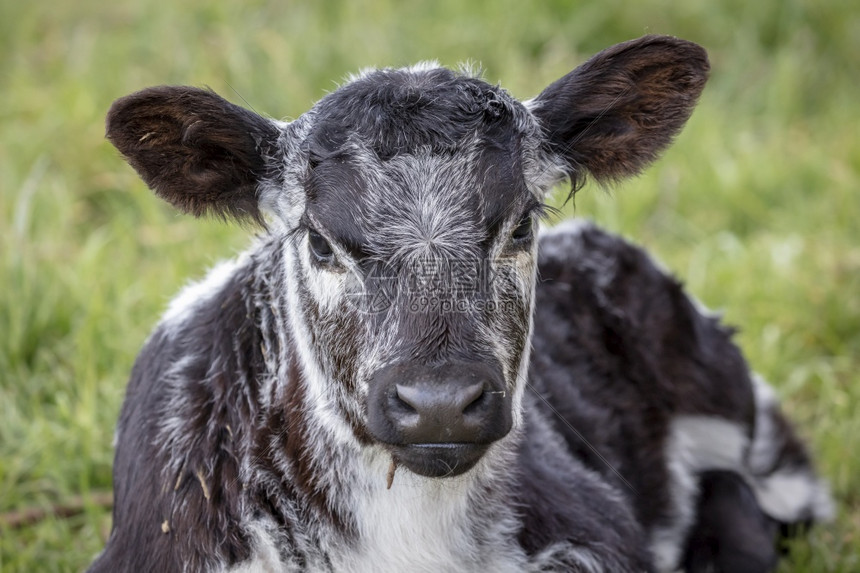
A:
[403,374]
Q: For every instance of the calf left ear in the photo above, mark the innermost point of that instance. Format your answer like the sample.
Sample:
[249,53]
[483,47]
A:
[195,149]
[614,114]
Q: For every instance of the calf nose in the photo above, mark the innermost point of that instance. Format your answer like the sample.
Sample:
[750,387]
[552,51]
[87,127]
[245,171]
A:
[463,403]
[438,413]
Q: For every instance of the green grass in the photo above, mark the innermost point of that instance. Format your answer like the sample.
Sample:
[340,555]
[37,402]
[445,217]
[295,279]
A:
[756,207]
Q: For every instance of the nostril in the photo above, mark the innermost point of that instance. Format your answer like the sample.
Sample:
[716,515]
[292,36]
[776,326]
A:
[409,398]
[474,405]
[470,398]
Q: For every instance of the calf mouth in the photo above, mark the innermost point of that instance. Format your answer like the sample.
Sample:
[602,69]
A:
[438,460]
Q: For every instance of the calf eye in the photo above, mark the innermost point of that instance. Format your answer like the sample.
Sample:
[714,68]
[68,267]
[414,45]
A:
[523,231]
[320,248]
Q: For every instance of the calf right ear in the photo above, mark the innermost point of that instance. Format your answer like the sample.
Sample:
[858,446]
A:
[195,149]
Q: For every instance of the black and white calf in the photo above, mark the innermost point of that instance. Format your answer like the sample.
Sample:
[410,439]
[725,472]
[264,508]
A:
[403,374]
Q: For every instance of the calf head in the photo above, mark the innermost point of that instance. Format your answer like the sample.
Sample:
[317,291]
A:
[407,203]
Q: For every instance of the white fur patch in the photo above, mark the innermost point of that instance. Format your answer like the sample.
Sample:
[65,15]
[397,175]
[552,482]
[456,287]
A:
[266,558]
[699,443]
[562,556]
[694,444]
[428,525]
[283,197]
[707,443]
[791,495]
[320,399]
[327,286]
[788,494]
[196,293]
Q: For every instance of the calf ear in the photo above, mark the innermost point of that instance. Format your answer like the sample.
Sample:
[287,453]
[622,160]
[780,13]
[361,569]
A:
[195,149]
[614,114]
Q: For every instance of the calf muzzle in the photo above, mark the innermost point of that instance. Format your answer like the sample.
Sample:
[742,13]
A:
[439,420]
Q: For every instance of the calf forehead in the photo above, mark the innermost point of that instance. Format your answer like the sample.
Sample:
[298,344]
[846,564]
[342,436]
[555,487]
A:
[423,204]
[404,159]
[401,111]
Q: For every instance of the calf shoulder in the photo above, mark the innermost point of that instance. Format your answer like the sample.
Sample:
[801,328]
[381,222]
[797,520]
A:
[186,425]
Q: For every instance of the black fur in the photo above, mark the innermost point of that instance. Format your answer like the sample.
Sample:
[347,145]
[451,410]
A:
[252,418]
[732,533]
[164,519]
[398,111]
[613,368]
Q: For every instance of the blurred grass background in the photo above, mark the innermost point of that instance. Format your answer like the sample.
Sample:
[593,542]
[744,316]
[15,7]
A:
[756,207]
